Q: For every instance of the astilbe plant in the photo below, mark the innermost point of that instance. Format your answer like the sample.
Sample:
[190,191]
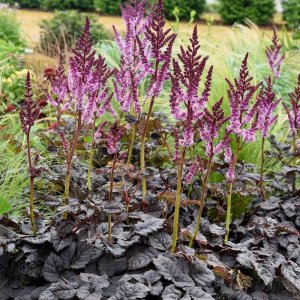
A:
[83,92]
[29,113]
[266,118]
[243,124]
[134,64]
[187,107]
[267,101]
[161,43]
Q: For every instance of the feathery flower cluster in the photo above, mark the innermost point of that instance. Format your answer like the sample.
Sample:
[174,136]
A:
[273,54]
[240,94]
[59,87]
[186,105]
[112,137]
[88,75]
[161,44]
[30,111]
[197,165]
[209,127]
[294,112]
[134,65]
[267,106]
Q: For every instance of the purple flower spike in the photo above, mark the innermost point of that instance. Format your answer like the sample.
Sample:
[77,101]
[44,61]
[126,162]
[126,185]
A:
[294,112]
[161,44]
[134,65]
[30,111]
[267,106]
[59,86]
[240,94]
[186,105]
[273,54]
[209,127]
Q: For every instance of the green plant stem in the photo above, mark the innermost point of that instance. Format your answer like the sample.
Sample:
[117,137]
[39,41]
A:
[203,195]
[70,158]
[91,156]
[143,139]
[110,194]
[294,158]
[133,133]
[261,181]
[31,194]
[177,202]
[228,211]
[294,147]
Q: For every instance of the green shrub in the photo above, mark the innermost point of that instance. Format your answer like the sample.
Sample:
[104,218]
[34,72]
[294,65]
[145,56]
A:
[60,32]
[82,5]
[23,3]
[10,28]
[108,7]
[291,13]
[185,8]
[237,11]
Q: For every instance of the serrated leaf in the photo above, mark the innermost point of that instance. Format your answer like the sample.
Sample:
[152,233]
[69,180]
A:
[202,275]
[58,242]
[53,268]
[148,226]
[171,293]
[97,282]
[142,259]
[130,291]
[110,266]
[115,249]
[170,271]
[84,254]
[291,272]
[197,293]
[156,288]
[151,276]
[68,254]
[160,241]
[266,271]
[60,290]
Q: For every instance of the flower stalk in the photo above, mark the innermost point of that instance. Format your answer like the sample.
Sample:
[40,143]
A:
[91,155]
[177,201]
[232,168]
[202,199]
[111,187]
[29,113]
[31,193]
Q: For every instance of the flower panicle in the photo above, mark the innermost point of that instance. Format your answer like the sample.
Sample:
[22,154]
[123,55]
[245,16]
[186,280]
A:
[240,93]
[274,57]
[112,137]
[30,110]
[185,102]
[135,60]
[59,85]
[267,105]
